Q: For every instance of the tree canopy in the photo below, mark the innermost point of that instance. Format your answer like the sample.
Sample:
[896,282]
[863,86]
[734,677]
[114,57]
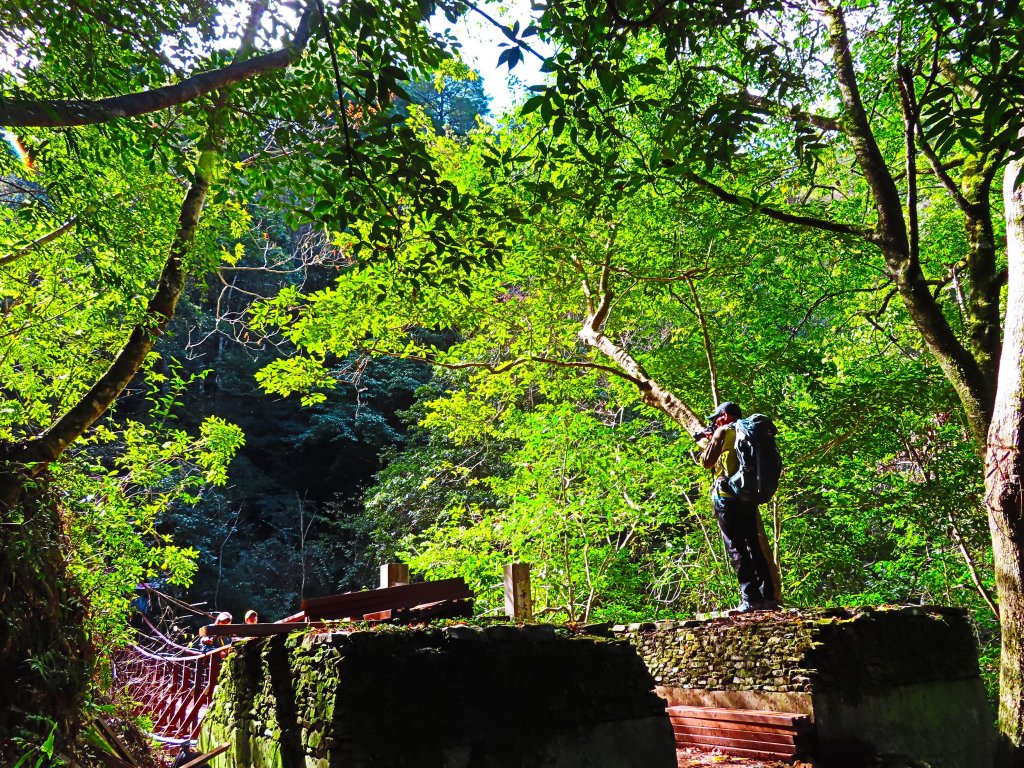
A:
[794,207]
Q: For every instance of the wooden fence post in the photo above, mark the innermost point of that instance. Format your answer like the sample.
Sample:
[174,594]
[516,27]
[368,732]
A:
[394,575]
[518,598]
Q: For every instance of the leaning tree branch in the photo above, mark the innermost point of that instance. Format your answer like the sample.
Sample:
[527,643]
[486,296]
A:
[811,222]
[886,196]
[55,439]
[60,231]
[48,445]
[72,112]
[39,242]
[652,393]
[771,107]
[508,365]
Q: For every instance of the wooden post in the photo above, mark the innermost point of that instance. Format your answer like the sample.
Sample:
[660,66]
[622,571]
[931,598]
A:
[393,575]
[518,598]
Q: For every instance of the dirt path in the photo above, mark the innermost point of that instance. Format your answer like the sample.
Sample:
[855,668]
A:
[693,758]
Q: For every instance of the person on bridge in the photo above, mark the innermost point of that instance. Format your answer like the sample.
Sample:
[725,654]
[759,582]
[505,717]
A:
[739,519]
[251,617]
[185,755]
[208,643]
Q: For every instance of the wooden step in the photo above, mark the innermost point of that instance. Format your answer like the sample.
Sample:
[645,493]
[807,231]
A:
[770,737]
[738,725]
[757,754]
[763,717]
[743,732]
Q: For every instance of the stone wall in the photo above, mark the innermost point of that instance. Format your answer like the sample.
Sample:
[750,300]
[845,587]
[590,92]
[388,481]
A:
[740,654]
[876,682]
[459,696]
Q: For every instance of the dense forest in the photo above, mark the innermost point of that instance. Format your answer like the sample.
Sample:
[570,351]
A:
[280,300]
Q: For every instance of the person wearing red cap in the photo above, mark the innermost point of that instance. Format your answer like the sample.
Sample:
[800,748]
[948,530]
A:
[739,520]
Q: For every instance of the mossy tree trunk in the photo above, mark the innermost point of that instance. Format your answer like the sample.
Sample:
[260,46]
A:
[1004,487]
[45,655]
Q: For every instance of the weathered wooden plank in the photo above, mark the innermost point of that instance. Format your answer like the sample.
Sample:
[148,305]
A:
[723,742]
[766,752]
[446,609]
[354,605]
[771,737]
[785,719]
[393,575]
[799,729]
[518,595]
[208,756]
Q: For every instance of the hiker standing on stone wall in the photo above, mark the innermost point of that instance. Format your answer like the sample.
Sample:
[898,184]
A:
[745,460]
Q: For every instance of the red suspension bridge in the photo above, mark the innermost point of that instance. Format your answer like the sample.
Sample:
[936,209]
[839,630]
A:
[170,682]
[173,683]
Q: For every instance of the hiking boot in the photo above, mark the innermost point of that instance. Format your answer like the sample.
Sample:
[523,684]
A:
[744,607]
[769,605]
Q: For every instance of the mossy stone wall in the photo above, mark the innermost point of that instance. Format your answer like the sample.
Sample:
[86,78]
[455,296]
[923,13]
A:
[899,681]
[807,650]
[726,654]
[459,696]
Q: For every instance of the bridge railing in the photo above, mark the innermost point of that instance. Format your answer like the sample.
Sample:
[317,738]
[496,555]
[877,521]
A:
[172,689]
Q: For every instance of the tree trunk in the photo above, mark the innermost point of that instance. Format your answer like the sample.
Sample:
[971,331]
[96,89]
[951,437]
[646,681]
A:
[1004,487]
[45,654]
[46,659]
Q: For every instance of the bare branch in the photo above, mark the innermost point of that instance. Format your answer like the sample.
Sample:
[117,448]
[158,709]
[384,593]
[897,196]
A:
[941,170]
[910,121]
[706,337]
[652,392]
[972,569]
[686,275]
[505,30]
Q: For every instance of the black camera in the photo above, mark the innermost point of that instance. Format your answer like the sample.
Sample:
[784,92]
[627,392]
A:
[704,434]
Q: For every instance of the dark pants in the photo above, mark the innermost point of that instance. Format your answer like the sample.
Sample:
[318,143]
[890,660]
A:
[742,531]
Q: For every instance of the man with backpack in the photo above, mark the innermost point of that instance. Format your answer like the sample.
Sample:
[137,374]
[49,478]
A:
[743,455]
